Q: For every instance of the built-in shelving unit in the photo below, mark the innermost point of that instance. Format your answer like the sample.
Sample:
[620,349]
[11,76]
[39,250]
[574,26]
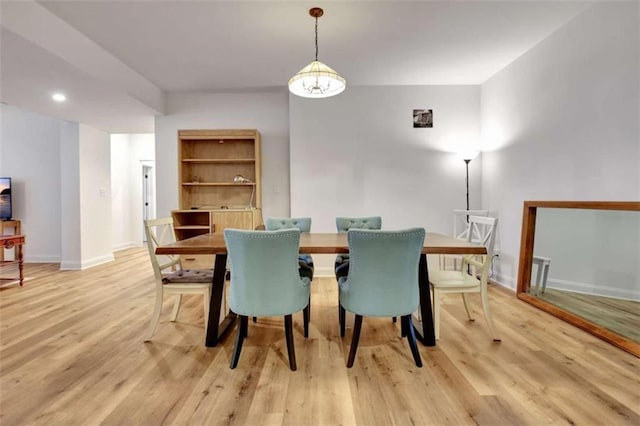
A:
[210,199]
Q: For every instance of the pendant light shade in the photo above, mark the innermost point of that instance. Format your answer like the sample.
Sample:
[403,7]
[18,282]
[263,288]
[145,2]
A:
[317,80]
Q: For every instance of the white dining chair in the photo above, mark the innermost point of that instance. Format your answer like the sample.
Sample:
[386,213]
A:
[542,265]
[170,277]
[472,277]
[460,230]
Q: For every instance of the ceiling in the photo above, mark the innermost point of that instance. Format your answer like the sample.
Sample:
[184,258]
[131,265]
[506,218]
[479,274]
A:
[117,60]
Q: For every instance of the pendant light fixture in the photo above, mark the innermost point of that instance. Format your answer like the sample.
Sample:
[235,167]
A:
[316,80]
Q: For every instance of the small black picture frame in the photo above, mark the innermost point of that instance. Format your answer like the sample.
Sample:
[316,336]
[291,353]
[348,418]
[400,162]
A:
[422,118]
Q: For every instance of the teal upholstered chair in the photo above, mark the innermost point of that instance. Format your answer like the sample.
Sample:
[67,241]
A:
[305,261]
[382,281]
[343,224]
[265,281]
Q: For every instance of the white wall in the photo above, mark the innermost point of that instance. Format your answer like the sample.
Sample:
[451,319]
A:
[95,196]
[30,147]
[121,189]
[58,169]
[563,122]
[591,251]
[128,153]
[267,112]
[70,214]
[357,154]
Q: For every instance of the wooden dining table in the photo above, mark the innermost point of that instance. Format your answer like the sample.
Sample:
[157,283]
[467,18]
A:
[314,243]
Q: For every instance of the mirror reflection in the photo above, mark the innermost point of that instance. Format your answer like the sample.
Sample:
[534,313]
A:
[587,262]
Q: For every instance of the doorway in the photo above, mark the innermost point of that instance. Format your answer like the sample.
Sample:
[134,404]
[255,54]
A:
[148,193]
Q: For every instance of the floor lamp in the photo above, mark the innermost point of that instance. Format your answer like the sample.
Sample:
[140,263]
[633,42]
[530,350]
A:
[467,157]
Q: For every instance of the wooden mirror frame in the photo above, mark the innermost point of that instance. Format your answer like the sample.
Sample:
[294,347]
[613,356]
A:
[526,260]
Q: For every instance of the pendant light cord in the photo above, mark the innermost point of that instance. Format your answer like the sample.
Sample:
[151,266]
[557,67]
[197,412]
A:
[316,38]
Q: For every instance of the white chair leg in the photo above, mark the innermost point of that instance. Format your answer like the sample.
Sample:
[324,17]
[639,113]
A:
[176,307]
[436,313]
[545,276]
[155,317]
[467,307]
[487,314]
[538,279]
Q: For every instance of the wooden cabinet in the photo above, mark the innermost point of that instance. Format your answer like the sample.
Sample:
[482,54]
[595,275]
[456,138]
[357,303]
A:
[16,229]
[13,242]
[242,219]
[220,181]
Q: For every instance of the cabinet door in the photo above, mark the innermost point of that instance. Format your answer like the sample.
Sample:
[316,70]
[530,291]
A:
[232,219]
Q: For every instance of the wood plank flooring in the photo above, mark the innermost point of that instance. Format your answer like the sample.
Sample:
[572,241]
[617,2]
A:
[72,353]
[617,315]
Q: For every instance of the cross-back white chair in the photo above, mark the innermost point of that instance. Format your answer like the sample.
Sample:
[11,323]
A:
[169,276]
[473,276]
[460,230]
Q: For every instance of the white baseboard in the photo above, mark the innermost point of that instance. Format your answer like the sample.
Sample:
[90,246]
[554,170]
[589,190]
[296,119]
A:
[503,281]
[84,264]
[123,246]
[324,271]
[592,289]
[42,259]
[70,266]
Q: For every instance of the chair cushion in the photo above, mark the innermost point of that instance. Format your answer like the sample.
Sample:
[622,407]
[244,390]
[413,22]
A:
[342,267]
[189,276]
[305,266]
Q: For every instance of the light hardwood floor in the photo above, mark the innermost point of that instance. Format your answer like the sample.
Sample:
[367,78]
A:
[618,315]
[72,353]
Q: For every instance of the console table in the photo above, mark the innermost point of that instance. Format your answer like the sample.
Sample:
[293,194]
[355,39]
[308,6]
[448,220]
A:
[13,224]
[9,242]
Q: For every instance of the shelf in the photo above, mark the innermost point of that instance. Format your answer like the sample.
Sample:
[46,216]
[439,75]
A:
[217,184]
[187,227]
[219,160]
[208,163]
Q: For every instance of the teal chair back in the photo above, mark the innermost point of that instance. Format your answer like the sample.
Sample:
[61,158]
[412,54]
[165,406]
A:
[383,272]
[276,223]
[305,263]
[264,272]
[343,224]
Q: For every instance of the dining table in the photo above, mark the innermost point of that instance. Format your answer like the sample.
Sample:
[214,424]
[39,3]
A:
[314,243]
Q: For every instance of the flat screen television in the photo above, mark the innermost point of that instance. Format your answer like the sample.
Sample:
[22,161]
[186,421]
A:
[5,198]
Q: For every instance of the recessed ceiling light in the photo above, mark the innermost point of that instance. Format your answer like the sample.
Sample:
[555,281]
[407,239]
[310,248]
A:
[59,97]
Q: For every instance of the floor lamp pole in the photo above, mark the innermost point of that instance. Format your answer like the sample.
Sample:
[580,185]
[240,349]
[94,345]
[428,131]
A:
[466,162]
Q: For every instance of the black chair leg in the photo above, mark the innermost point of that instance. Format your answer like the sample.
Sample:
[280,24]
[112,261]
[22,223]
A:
[288,332]
[306,313]
[411,337]
[342,317]
[255,319]
[403,328]
[395,320]
[354,340]
[242,333]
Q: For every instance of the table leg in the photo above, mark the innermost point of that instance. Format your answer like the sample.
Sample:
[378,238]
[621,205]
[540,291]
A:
[216,329]
[424,326]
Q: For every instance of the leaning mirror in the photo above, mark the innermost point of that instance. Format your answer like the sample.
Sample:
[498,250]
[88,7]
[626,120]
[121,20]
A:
[580,261]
